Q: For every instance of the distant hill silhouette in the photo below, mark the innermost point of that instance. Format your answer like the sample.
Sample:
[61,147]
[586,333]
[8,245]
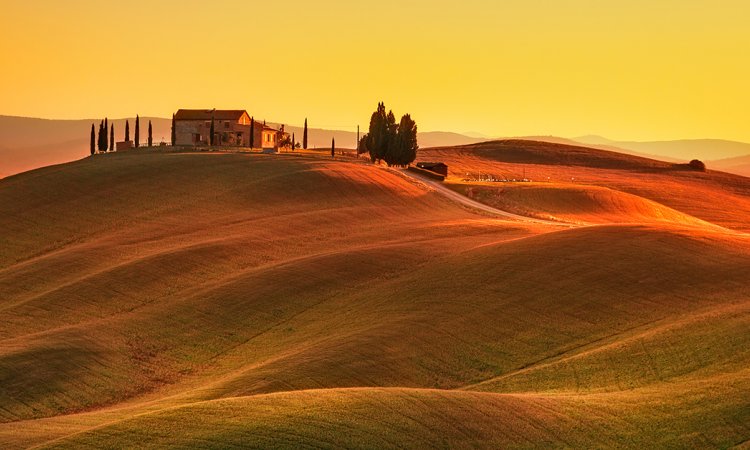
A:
[683,149]
[28,143]
[739,165]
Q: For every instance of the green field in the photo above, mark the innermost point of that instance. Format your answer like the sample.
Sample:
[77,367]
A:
[218,300]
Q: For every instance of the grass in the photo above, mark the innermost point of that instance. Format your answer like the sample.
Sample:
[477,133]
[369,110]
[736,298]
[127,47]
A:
[219,300]
[382,417]
[716,197]
[583,204]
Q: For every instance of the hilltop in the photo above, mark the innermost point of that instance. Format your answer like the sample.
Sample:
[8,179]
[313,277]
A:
[28,143]
[219,299]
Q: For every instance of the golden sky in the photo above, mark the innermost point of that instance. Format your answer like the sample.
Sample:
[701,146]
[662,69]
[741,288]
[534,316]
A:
[635,69]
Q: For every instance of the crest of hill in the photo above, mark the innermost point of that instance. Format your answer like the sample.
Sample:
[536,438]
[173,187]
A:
[523,151]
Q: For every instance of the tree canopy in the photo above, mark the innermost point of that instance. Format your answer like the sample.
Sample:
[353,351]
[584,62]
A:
[396,144]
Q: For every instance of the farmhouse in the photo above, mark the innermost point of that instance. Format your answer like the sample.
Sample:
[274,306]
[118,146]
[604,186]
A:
[232,128]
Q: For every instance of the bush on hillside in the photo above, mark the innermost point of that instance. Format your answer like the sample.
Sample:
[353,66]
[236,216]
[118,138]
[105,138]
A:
[697,165]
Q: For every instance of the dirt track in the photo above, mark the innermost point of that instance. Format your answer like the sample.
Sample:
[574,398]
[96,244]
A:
[463,200]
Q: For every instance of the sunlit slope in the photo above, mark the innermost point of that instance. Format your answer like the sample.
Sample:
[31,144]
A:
[574,203]
[446,323]
[497,309]
[280,300]
[127,273]
[389,418]
[717,197]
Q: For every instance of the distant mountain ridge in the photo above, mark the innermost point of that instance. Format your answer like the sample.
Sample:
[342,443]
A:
[683,149]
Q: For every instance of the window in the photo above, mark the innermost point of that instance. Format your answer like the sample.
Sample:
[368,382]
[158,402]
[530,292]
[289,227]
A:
[226,124]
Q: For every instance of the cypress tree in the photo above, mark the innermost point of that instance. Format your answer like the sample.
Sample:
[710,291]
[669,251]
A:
[150,135]
[174,132]
[407,141]
[127,130]
[106,132]
[333,147]
[292,141]
[137,131]
[362,145]
[99,143]
[211,137]
[93,140]
[112,138]
[390,152]
[377,136]
[304,136]
[252,132]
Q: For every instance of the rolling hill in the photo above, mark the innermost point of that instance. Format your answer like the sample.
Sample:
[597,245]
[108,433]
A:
[222,300]
[716,197]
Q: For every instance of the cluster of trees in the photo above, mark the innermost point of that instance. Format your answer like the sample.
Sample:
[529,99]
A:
[396,144]
[106,137]
[105,140]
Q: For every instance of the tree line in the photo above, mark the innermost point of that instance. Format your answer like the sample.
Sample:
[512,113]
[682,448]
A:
[395,144]
[105,140]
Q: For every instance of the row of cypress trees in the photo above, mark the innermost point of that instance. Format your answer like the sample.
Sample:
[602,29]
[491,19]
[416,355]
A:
[105,142]
[106,138]
[396,144]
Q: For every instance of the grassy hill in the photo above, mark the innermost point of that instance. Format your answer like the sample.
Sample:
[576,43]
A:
[219,300]
[717,197]
[573,203]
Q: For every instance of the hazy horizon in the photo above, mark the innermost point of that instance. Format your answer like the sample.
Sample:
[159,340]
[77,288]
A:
[470,134]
